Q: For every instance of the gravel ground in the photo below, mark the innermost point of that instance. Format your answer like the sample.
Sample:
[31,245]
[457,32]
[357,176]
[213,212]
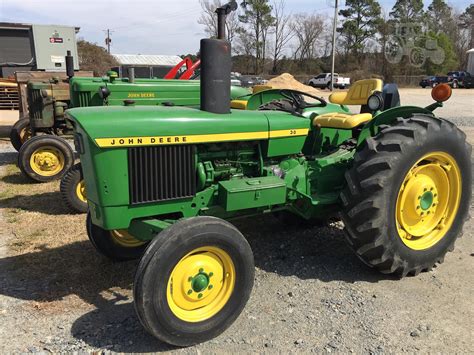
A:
[311,293]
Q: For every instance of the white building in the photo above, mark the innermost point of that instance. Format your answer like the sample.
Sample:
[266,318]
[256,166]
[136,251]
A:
[470,61]
[146,66]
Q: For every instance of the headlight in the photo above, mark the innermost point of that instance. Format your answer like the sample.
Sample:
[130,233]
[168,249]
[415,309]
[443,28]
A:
[104,92]
[375,101]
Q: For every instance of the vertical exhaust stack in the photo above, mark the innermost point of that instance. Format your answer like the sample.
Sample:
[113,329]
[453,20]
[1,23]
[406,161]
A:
[131,75]
[69,65]
[215,75]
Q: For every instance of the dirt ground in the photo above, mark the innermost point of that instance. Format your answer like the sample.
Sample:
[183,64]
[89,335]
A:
[311,293]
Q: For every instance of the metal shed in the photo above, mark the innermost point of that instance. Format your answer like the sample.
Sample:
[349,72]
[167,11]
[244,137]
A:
[35,47]
[146,66]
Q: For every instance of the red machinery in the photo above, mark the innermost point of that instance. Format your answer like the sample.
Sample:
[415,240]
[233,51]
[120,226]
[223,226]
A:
[188,73]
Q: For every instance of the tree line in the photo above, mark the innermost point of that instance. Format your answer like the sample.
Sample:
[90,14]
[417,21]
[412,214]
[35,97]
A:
[408,40]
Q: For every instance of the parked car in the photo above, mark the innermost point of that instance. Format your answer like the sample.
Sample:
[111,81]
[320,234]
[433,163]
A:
[432,81]
[247,81]
[235,80]
[258,80]
[460,79]
[323,81]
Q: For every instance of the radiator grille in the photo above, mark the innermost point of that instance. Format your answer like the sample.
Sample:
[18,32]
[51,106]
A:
[161,173]
[84,99]
[35,104]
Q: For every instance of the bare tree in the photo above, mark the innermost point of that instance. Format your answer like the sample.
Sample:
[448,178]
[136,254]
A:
[307,30]
[208,19]
[282,32]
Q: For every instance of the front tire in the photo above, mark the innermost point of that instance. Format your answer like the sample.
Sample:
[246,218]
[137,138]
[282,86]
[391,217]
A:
[408,195]
[117,245]
[73,190]
[20,133]
[45,158]
[193,281]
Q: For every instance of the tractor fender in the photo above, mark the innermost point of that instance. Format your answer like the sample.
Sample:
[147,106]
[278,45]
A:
[388,117]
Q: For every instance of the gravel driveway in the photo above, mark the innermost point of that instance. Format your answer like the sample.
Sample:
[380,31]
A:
[311,293]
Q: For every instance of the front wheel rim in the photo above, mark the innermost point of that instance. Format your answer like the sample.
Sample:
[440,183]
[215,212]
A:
[201,284]
[81,191]
[47,161]
[125,239]
[428,200]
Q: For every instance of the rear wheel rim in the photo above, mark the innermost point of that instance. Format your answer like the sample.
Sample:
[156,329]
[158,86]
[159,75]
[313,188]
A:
[200,284]
[47,161]
[428,200]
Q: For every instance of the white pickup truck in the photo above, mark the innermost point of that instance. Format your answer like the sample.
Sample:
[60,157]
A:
[323,81]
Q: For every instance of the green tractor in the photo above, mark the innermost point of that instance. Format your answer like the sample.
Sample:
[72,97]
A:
[43,154]
[72,186]
[163,182]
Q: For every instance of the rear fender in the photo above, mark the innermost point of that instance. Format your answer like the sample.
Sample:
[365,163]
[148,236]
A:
[389,117]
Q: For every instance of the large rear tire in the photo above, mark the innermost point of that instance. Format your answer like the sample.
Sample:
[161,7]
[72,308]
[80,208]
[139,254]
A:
[45,158]
[117,245]
[408,195]
[73,190]
[20,133]
[193,281]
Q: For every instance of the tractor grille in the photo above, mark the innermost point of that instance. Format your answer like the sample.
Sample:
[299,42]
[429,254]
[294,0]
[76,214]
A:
[161,173]
[84,99]
[35,103]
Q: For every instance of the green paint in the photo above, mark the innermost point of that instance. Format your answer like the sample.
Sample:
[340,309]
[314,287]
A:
[200,282]
[426,200]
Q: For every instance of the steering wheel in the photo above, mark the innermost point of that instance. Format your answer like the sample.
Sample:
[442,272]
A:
[296,97]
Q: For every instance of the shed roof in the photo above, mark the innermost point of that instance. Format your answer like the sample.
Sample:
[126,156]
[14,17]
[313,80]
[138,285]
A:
[145,59]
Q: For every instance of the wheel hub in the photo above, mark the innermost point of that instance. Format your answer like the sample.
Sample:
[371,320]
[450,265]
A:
[200,282]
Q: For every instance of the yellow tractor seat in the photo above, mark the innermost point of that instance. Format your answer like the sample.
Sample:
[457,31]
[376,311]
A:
[358,94]
[239,104]
[341,120]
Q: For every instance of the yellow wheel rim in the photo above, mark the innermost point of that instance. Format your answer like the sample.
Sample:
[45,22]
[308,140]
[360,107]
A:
[25,134]
[81,191]
[428,200]
[125,239]
[47,161]
[201,284]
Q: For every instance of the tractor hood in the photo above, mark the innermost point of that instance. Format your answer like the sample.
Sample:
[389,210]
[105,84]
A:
[115,127]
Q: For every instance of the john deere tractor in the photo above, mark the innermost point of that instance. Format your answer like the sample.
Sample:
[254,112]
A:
[164,182]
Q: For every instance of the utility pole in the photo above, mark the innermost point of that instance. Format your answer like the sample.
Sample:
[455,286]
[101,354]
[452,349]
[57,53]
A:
[108,40]
[334,43]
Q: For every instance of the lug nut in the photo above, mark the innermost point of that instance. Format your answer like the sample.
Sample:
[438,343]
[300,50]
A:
[190,291]
[200,295]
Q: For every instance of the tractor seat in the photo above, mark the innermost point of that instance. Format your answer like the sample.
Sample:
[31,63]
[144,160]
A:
[239,104]
[358,94]
[341,120]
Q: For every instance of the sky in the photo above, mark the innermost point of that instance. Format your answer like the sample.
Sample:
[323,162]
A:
[144,26]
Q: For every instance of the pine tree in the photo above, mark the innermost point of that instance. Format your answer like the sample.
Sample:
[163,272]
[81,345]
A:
[258,18]
[405,11]
[361,21]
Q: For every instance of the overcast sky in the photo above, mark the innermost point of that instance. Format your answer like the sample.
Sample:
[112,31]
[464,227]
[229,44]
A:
[142,26]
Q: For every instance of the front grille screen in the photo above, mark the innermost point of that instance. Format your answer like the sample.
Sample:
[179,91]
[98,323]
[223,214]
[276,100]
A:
[161,173]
